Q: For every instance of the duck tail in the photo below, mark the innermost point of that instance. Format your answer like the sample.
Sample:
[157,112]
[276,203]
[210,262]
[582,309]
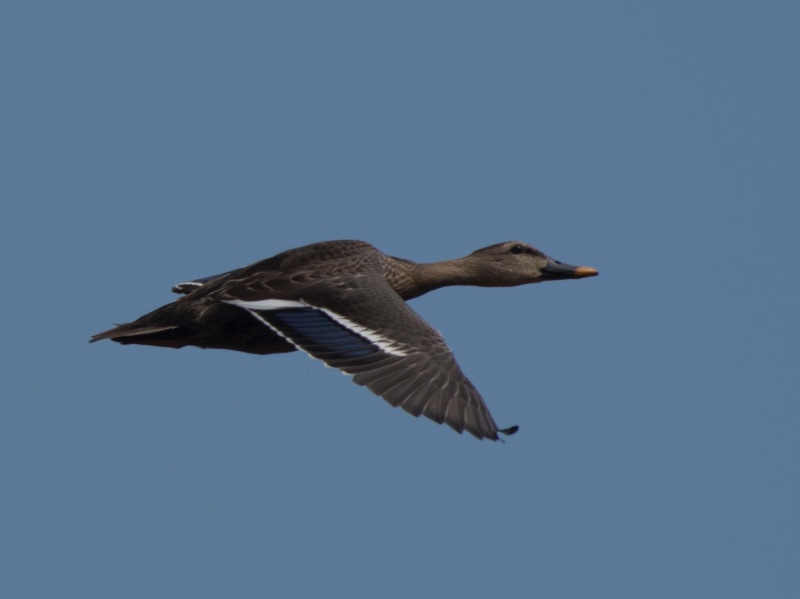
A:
[160,328]
[208,325]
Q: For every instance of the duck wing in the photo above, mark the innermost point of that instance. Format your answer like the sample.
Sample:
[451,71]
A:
[361,326]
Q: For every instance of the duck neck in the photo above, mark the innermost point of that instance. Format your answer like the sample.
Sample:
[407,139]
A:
[412,279]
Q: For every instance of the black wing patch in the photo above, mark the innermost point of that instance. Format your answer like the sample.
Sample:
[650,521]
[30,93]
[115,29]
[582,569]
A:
[323,337]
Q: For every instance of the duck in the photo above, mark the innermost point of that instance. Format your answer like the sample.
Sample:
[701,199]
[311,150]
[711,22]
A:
[344,302]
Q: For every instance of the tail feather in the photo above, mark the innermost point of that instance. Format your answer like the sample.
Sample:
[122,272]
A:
[209,325]
[142,335]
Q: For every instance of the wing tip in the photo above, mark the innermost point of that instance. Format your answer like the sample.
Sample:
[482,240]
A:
[503,431]
[492,436]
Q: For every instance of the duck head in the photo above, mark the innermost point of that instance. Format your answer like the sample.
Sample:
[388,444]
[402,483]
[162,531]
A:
[518,263]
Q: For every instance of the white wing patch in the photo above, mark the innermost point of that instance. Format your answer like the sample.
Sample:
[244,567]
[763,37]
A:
[267,304]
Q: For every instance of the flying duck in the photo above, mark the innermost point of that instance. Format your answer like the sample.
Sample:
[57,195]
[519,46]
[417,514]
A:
[344,302]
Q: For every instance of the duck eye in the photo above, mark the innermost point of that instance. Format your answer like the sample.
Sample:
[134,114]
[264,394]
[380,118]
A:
[517,249]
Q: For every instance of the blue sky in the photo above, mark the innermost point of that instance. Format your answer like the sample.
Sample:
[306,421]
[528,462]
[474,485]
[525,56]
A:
[658,452]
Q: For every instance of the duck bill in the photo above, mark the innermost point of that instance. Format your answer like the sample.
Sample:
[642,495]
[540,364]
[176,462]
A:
[556,270]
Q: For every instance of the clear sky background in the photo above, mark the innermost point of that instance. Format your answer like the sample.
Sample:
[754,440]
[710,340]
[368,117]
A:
[658,453]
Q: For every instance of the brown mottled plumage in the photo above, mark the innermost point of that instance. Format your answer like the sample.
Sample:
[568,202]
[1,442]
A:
[343,302]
